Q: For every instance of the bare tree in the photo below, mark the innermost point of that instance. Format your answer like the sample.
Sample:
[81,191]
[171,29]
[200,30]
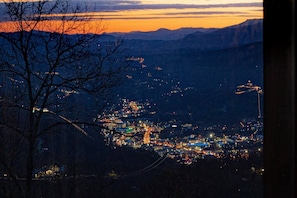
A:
[45,74]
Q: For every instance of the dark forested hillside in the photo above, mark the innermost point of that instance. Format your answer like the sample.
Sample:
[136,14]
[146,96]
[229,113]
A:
[184,76]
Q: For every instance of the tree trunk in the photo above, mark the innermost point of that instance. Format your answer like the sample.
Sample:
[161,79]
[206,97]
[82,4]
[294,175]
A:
[29,171]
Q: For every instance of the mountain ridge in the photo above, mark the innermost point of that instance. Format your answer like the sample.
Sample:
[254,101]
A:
[250,31]
[181,33]
[161,34]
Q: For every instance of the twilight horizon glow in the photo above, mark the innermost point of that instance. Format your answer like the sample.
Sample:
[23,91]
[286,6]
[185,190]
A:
[150,15]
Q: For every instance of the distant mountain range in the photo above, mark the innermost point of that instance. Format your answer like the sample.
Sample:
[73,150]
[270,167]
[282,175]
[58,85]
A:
[247,32]
[166,34]
[250,31]
[163,34]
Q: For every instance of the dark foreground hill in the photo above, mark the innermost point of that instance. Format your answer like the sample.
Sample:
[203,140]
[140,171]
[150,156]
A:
[97,171]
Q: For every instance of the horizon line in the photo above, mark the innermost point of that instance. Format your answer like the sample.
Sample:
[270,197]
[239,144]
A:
[102,31]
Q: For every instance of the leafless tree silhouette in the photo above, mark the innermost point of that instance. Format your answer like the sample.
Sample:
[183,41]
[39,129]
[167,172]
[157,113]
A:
[44,75]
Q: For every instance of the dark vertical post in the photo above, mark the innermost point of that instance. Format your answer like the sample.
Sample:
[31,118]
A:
[279,99]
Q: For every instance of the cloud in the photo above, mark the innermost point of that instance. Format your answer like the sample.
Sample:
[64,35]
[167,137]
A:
[201,13]
[165,15]
[135,5]
[108,5]
[120,5]
[117,6]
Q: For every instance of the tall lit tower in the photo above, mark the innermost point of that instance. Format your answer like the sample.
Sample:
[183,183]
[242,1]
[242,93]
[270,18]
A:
[249,87]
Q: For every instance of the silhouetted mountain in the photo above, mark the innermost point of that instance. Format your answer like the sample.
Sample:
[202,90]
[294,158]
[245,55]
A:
[107,37]
[162,34]
[204,82]
[212,64]
[245,33]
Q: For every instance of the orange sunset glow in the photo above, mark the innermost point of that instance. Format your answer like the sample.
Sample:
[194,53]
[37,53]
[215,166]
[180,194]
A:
[149,19]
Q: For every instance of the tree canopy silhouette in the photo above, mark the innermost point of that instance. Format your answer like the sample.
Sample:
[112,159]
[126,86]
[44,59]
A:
[49,79]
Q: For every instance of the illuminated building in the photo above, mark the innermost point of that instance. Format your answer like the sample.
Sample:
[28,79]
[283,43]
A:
[146,137]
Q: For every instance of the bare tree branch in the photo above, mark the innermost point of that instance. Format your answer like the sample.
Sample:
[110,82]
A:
[43,73]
